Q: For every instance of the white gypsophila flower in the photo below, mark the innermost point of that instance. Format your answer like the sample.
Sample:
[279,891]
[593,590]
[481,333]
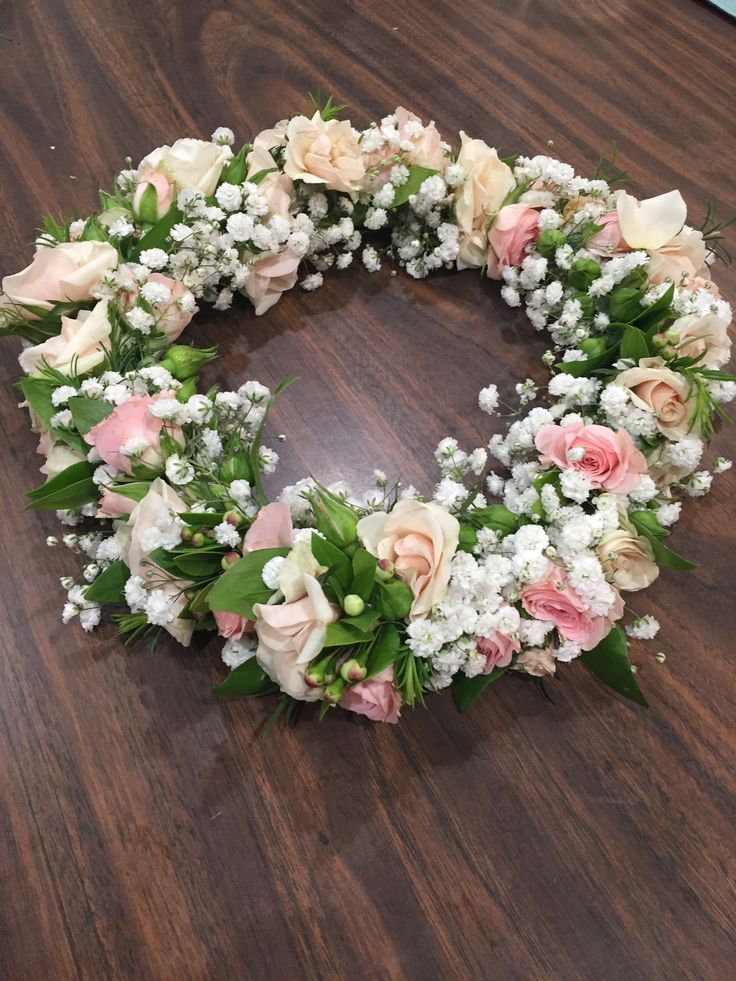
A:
[371,260]
[92,388]
[270,573]
[154,258]
[669,514]
[226,534]
[699,484]
[121,228]
[179,471]
[721,465]
[267,460]
[62,420]
[312,282]
[166,409]
[237,652]
[488,399]
[89,617]
[450,493]
[157,294]
[159,608]
[575,485]
[240,492]
[140,319]
[223,136]
[643,628]
[62,394]
[198,409]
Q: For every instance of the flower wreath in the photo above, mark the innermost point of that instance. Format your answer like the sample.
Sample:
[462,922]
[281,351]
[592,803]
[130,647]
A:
[370,601]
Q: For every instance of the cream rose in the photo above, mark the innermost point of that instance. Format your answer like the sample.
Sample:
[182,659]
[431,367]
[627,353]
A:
[188,164]
[420,539]
[290,635]
[144,516]
[487,182]
[650,224]
[694,334]
[79,347]
[665,393]
[69,271]
[319,152]
[298,565]
[59,456]
[627,558]
[538,662]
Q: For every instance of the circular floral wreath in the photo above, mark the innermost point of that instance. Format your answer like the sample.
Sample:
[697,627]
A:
[370,601]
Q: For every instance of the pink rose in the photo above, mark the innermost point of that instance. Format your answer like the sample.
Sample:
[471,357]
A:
[158,201]
[608,459]
[230,625]
[682,259]
[376,698]
[515,227]
[272,528]
[552,598]
[497,650]
[271,276]
[420,539]
[275,188]
[113,505]
[69,271]
[608,240]
[290,635]
[425,149]
[133,425]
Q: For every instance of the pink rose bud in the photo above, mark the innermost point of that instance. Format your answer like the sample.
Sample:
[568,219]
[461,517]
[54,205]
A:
[153,196]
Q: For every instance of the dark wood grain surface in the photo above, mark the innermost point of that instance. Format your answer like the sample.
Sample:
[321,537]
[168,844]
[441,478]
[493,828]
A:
[146,830]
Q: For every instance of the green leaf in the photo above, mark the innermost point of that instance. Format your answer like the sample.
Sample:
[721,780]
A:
[609,662]
[417,175]
[333,559]
[495,516]
[466,690]
[200,564]
[155,238]
[650,318]
[235,169]
[342,634]
[71,488]
[384,651]
[634,344]
[86,413]
[647,525]
[580,368]
[238,589]
[248,678]
[136,490]
[364,620]
[364,574]
[201,519]
[109,586]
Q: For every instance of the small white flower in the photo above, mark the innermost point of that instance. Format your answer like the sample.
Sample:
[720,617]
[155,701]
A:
[270,573]
[226,534]
[488,399]
[223,136]
[62,394]
[179,471]
[154,258]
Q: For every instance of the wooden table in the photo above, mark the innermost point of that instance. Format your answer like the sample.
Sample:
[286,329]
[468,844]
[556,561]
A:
[147,831]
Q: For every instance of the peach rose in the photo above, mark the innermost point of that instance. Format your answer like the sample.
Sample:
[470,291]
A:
[271,275]
[552,598]
[424,149]
[319,152]
[513,228]
[420,539]
[188,163]
[487,182]
[537,661]
[156,202]
[69,271]
[275,188]
[608,459]
[79,347]
[143,517]
[375,698]
[693,335]
[290,635]
[497,650]
[627,558]
[665,393]
[267,139]
[682,259]
[170,318]
[271,528]
[131,423]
